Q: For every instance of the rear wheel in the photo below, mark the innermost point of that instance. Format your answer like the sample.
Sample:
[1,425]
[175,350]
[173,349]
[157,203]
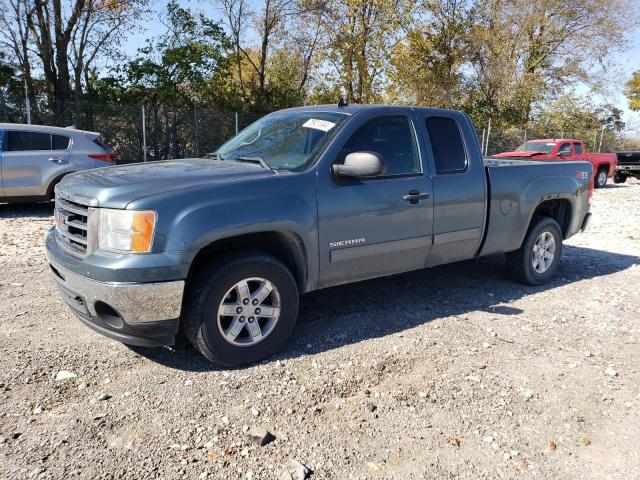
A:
[538,259]
[617,178]
[241,308]
[601,178]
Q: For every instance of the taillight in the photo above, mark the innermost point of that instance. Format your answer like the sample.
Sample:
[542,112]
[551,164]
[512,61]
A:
[105,157]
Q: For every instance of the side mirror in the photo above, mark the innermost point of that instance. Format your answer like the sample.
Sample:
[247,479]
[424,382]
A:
[360,165]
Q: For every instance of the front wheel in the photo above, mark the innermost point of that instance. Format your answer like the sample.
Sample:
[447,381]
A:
[601,178]
[538,259]
[240,308]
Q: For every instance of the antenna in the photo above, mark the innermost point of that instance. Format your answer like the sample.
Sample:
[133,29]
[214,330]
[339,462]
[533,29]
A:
[341,102]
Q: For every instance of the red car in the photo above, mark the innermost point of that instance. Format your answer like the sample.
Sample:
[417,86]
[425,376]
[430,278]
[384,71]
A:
[604,164]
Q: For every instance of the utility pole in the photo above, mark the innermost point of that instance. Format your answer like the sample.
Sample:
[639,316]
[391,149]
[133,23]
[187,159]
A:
[27,104]
[144,135]
[486,148]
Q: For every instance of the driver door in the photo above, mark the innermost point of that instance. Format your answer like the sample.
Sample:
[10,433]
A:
[375,226]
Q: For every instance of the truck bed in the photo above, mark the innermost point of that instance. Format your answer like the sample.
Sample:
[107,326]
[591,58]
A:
[517,186]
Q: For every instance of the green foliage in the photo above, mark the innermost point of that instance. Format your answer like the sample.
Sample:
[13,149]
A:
[632,91]
[181,65]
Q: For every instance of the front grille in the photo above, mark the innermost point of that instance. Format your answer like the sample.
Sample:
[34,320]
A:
[72,219]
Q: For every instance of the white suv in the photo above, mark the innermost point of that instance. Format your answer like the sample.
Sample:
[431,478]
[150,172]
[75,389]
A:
[34,158]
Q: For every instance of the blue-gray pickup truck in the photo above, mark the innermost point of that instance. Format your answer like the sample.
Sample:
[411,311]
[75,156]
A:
[302,199]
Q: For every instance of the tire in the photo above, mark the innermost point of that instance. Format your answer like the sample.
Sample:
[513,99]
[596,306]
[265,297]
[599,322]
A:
[522,262]
[617,178]
[601,178]
[216,283]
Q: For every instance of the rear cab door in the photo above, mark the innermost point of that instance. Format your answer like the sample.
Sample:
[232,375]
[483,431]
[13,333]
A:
[30,160]
[459,184]
[579,152]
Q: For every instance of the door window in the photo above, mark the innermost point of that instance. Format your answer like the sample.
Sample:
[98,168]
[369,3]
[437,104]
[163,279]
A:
[564,150]
[59,142]
[24,141]
[393,139]
[447,145]
[577,147]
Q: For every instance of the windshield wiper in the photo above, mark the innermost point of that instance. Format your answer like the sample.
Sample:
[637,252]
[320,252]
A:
[256,160]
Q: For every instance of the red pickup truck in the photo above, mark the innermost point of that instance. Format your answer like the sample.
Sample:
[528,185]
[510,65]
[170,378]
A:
[604,164]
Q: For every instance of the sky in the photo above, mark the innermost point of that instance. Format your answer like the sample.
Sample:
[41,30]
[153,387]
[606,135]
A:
[622,64]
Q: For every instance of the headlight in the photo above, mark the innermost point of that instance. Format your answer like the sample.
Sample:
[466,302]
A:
[126,230]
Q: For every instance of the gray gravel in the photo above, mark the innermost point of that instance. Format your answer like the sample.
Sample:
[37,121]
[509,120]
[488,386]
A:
[455,372]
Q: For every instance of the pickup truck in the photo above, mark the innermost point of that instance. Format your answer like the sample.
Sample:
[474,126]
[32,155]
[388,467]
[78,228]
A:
[604,164]
[302,199]
[628,166]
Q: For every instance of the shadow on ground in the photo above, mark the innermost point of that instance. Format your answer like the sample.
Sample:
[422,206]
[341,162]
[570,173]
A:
[348,314]
[18,210]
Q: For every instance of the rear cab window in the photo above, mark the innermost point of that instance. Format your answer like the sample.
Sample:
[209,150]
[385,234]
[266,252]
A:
[447,145]
[577,148]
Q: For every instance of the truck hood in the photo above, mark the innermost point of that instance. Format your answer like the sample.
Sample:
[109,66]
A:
[521,155]
[115,187]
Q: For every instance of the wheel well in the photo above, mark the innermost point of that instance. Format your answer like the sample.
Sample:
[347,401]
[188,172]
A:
[604,166]
[285,246]
[53,184]
[558,209]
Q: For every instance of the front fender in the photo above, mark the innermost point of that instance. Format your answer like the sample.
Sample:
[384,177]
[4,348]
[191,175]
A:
[190,221]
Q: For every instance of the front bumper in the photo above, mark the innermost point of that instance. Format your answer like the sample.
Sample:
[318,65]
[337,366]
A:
[628,169]
[144,314]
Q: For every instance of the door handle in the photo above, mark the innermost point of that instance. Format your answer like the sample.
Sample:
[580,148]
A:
[57,160]
[414,196]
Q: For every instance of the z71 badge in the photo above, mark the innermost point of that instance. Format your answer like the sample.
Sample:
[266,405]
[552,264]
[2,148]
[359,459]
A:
[346,243]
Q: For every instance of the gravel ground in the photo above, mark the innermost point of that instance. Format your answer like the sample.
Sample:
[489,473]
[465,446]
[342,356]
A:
[454,372]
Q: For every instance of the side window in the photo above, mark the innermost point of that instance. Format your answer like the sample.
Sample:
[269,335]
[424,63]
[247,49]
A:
[60,142]
[24,141]
[577,148]
[390,137]
[447,145]
[565,149]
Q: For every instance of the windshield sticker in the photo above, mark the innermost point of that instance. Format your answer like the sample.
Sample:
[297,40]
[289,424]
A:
[550,144]
[316,124]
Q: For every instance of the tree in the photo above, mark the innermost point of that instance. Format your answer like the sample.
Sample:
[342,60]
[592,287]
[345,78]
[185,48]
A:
[15,19]
[176,67]
[426,67]
[632,91]
[524,51]
[66,37]
[359,37]
[260,38]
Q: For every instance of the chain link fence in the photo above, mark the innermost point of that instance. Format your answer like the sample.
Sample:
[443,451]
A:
[495,141]
[157,132]
[138,134]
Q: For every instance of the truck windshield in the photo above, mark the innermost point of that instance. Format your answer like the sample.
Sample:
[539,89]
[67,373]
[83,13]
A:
[541,147]
[284,140]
